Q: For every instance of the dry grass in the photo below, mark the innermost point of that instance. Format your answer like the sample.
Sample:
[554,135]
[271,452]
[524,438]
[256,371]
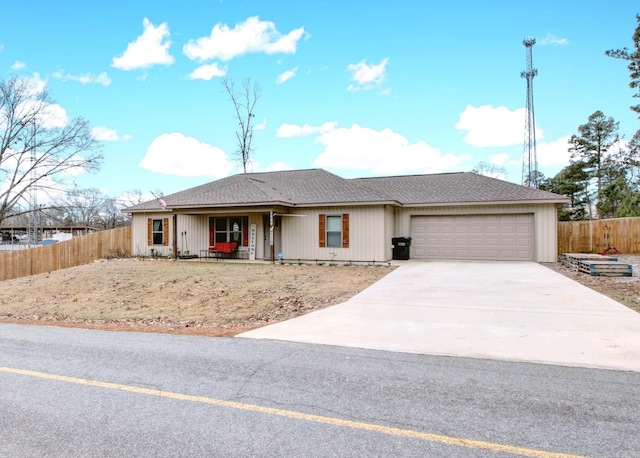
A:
[211,298]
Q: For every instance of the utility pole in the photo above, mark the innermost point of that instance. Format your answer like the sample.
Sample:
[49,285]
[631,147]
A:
[529,158]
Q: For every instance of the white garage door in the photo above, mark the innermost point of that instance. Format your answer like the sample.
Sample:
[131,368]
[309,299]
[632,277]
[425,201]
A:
[473,237]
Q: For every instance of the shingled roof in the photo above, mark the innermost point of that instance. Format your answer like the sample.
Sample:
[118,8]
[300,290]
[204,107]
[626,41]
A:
[299,188]
[448,188]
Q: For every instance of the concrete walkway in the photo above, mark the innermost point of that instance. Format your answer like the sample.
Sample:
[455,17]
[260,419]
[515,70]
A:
[515,311]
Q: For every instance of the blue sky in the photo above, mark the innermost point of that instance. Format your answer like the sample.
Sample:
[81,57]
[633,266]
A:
[357,88]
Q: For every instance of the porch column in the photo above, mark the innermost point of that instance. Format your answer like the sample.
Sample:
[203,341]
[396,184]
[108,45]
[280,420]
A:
[175,237]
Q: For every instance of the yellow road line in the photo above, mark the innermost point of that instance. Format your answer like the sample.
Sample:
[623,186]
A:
[438,438]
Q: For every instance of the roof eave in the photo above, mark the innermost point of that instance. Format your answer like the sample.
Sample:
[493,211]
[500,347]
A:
[147,210]
[488,202]
[348,204]
[234,205]
[205,206]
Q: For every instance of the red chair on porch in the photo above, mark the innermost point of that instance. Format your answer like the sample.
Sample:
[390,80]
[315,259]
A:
[223,249]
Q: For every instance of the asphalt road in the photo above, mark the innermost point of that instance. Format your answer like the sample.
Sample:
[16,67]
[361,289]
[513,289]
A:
[80,393]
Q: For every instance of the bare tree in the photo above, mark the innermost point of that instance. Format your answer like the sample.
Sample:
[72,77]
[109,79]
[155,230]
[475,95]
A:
[130,198]
[83,207]
[111,215]
[244,102]
[37,149]
[489,170]
[92,208]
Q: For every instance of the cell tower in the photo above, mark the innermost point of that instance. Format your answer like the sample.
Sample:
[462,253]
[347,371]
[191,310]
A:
[529,158]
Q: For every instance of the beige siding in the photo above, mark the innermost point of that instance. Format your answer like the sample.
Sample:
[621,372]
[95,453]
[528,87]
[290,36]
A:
[193,233]
[368,227]
[389,218]
[546,232]
[370,230]
[195,238]
[544,220]
[139,242]
[261,233]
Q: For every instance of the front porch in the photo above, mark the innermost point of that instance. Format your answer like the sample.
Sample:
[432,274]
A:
[256,233]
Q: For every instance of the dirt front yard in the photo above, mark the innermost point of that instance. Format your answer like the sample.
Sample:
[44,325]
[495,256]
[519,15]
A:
[188,297]
[211,298]
[625,290]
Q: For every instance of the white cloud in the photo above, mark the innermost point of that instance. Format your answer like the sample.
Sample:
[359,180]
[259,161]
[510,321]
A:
[104,134]
[381,152]
[48,115]
[499,159]
[36,83]
[102,79]
[84,78]
[177,154]
[207,72]
[76,171]
[555,153]
[262,125]
[365,76]
[255,166]
[18,65]
[250,36]
[277,166]
[488,126]
[53,116]
[286,76]
[551,39]
[293,130]
[127,137]
[147,50]
[48,189]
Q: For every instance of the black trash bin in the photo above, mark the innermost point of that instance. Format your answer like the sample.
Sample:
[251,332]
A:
[401,247]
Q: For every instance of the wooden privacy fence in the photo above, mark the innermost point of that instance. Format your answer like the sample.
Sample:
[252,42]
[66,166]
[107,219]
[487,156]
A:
[79,250]
[596,235]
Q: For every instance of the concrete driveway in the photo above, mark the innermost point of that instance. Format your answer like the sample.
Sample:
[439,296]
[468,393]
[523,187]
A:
[515,311]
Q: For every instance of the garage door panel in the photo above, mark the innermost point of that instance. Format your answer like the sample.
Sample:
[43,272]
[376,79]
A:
[420,230]
[476,253]
[473,237]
